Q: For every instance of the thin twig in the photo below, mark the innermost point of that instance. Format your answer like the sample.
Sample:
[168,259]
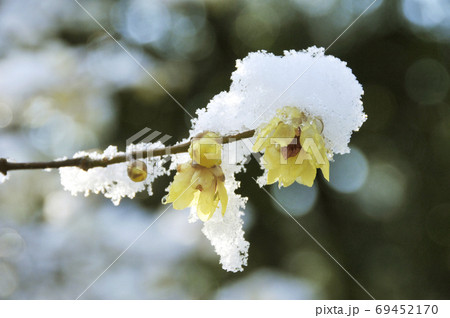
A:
[87,163]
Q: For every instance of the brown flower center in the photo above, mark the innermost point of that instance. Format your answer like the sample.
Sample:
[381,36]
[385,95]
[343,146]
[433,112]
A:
[294,146]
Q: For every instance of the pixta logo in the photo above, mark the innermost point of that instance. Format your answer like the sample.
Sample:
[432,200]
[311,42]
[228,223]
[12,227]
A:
[138,145]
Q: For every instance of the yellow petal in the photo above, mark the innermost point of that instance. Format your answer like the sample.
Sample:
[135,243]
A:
[290,112]
[308,174]
[218,173]
[181,182]
[260,144]
[203,178]
[283,135]
[272,175]
[286,180]
[223,196]
[289,172]
[262,141]
[180,191]
[206,204]
[326,170]
[184,200]
[264,133]
[273,158]
[267,130]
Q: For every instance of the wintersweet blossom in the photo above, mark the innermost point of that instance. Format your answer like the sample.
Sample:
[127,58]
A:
[200,183]
[294,148]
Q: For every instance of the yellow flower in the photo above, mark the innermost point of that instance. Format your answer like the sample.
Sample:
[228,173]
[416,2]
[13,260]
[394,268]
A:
[199,187]
[294,148]
[206,150]
[200,183]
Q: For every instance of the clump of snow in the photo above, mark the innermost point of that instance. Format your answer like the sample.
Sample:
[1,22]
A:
[320,85]
[113,180]
[226,233]
[262,180]
[3,177]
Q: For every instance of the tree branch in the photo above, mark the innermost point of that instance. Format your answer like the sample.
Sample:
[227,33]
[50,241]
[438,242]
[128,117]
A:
[87,163]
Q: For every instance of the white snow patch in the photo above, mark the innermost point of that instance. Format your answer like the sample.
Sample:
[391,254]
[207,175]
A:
[3,177]
[113,180]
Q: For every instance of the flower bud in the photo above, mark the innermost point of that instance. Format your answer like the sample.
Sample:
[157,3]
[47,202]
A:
[137,171]
[206,150]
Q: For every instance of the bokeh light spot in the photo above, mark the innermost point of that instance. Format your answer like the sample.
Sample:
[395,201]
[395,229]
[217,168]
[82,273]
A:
[8,280]
[427,81]
[147,21]
[6,115]
[11,243]
[349,171]
[427,13]
[297,199]
[383,192]
[315,8]
[59,206]
[268,284]
[257,29]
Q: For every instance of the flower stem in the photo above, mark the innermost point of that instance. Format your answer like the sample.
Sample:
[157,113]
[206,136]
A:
[87,163]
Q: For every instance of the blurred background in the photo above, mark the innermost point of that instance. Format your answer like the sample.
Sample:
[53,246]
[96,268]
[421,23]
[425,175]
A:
[66,86]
